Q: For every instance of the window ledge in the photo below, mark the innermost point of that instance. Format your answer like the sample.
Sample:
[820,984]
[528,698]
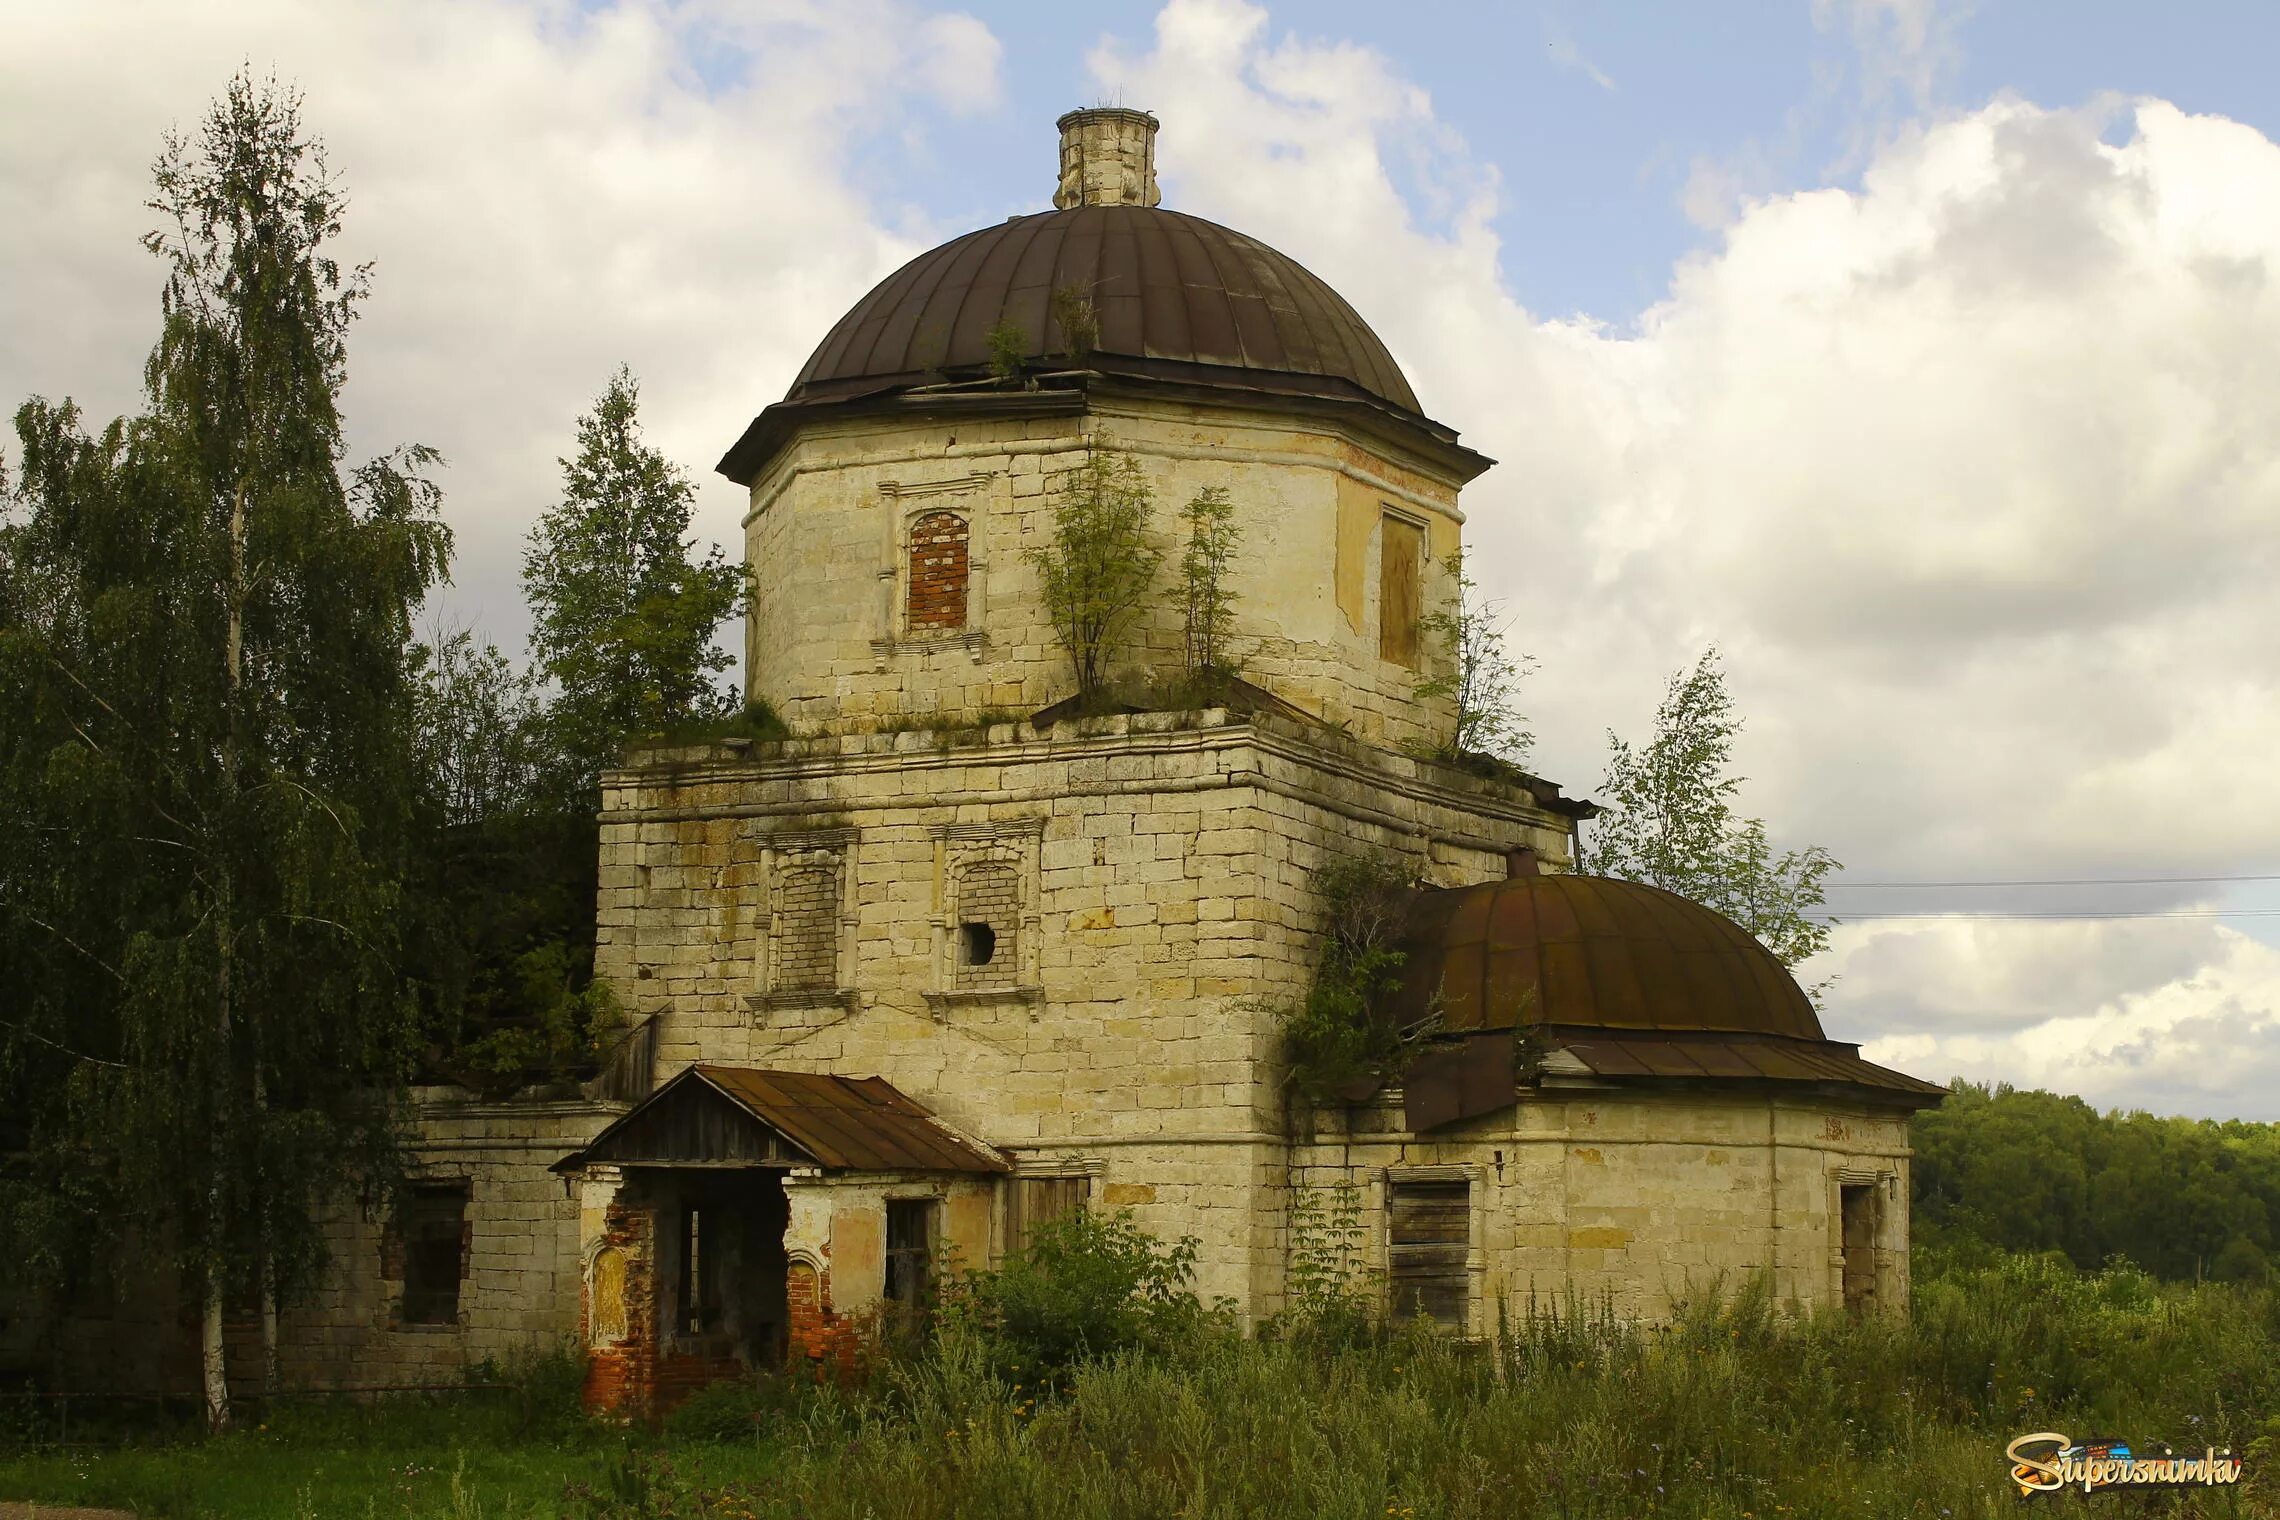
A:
[940,1003]
[972,640]
[829,1002]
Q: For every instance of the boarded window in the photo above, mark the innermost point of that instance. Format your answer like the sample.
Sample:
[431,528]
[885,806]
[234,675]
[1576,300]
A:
[432,1227]
[910,1256]
[1401,591]
[938,573]
[989,917]
[1429,1231]
[807,927]
[1857,1223]
[1034,1201]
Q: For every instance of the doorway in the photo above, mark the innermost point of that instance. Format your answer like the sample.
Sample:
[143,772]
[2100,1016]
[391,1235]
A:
[1857,1220]
[721,1265]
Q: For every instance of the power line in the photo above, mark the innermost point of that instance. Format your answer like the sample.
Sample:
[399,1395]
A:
[2064,881]
[1849,916]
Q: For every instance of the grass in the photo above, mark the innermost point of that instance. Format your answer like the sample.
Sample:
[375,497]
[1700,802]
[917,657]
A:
[1731,1413]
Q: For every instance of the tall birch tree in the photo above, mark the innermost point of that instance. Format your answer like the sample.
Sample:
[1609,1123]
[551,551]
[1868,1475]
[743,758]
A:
[205,617]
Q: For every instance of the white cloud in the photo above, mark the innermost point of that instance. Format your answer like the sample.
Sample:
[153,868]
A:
[545,190]
[1974,472]
[1971,469]
[2200,1036]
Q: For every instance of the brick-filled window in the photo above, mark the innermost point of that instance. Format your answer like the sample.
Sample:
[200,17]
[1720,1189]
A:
[938,569]
[432,1232]
[807,926]
[989,919]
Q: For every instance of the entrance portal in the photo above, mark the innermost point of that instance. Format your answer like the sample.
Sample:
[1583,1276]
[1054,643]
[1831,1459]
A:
[720,1265]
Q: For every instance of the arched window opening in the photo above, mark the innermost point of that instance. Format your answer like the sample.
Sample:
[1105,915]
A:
[938,573]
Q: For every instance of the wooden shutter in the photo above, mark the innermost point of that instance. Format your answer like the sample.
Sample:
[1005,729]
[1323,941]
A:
[1035,1200]
[1429,1233]
[1401,590]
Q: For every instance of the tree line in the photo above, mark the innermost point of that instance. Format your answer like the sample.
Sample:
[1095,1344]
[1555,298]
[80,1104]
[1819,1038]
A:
[2001,1169]
[269,856]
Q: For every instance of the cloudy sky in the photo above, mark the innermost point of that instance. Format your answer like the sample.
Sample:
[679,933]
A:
[1926,360]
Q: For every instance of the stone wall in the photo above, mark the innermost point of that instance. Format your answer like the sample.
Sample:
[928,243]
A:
[519,1291]
[849,528]
[1161,870]
[1635,1198]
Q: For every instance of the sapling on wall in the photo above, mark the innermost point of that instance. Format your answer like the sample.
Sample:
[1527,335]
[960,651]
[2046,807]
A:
[1473,669]
[1096,572]
[1207,601]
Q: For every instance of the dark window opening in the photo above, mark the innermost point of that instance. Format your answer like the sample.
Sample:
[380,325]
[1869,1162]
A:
[1429,1234]
[432,1226]
[1856,1215]
[977,943]
[910,1255]
[699,1298]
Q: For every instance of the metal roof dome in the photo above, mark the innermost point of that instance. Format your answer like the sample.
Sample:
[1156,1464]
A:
[1164,286]
[1596,952]
[1180,307]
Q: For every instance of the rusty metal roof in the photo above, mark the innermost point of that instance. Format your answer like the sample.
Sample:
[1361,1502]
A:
[1164,286]
[1592,951]
[843,1123]
[1711,1054]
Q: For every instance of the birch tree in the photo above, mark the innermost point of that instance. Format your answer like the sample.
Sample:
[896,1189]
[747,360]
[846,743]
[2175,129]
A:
[205,614]
[1671,822]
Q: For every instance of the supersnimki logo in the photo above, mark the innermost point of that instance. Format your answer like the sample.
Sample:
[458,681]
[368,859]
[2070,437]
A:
[2048,1463]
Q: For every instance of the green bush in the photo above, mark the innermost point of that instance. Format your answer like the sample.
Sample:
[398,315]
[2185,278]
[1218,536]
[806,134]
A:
[1086,1286]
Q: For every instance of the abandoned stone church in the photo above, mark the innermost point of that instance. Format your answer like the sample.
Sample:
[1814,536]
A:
[947,964]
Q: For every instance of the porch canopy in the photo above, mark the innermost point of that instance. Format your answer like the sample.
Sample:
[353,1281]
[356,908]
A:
[735,1116]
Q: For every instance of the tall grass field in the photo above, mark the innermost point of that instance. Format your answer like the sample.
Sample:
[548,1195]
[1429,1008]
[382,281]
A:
[1733,1412]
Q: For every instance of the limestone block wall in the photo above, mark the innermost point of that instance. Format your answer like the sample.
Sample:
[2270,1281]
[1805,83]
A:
[519,1287]
[853,518]
[1162,868]
[1636,1197]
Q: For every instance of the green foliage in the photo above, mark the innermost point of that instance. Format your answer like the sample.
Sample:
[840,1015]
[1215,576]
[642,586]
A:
[741,1409]
[1009,348]
[207,778]
[1095,575]
[1079,321]
[1343,1033]
[2004,1170]
[1732,1410]
[1329,1293]
[1086,1286]
[1670,822]
[499,931]
[1206,601]
[622,617]
[1473,671]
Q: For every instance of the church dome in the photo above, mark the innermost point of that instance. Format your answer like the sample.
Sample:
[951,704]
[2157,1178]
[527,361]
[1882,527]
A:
[1177,308]
[1174,296]
[1594,952]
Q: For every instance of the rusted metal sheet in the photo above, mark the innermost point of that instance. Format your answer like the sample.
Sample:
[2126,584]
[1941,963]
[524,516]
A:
[737,1116]
[1463,1080]
[1164,286]
[1728,1056]
[1586,950]
[862,1123]
[1428,1235]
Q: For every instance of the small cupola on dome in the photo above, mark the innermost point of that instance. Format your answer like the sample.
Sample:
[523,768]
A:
[1108,158]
